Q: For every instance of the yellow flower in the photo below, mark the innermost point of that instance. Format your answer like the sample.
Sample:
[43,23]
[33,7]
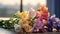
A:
[25,24]
[24,15]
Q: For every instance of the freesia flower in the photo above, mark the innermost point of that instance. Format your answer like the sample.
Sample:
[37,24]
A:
[53,16]
[50,25]
[26,24]
[38,25]
[24,15]
[44,12]
[17,28]
[37,13]
[57,19]
[32,13]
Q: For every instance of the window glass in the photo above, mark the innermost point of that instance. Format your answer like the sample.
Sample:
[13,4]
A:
[27,4]
[9,7]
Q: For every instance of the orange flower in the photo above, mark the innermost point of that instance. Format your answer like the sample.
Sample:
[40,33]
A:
[44,12]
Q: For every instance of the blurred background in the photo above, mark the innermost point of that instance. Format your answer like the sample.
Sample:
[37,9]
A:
[9,7]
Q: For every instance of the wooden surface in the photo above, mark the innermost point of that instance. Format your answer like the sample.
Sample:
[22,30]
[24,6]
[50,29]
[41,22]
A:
[42,33]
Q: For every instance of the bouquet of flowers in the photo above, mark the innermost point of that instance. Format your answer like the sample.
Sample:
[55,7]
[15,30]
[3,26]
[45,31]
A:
[34,21]
[39,20]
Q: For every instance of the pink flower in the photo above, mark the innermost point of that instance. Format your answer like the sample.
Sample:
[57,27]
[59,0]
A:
[32,13]
[37,13]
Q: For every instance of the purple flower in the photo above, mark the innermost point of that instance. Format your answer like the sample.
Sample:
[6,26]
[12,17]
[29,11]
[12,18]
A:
[49,24]
[38,24]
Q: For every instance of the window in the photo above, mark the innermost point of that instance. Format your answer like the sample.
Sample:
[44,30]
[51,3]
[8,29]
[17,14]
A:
[9,7]
[27,4]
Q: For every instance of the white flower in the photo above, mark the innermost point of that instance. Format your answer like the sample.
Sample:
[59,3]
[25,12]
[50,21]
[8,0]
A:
[17,28]
[53,16]
[32,13]
[57,19]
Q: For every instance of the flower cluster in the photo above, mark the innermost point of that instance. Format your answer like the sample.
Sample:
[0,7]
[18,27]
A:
[39,21]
